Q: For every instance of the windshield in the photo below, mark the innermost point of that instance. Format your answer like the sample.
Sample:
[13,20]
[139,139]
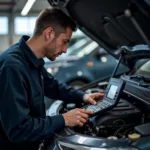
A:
[88,48]
[144,70]
[79,45]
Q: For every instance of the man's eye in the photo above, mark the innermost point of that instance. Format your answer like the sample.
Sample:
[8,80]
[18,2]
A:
[66,42]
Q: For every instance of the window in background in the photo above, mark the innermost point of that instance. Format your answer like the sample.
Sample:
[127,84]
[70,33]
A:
[3,25]
[24,25]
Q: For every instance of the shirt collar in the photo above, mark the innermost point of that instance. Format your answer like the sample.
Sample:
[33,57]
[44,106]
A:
[29,54]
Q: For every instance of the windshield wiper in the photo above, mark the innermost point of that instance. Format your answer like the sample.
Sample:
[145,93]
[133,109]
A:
[147,85]
[140,78]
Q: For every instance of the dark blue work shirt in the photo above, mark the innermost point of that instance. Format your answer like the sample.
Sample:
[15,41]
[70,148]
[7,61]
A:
[23,84]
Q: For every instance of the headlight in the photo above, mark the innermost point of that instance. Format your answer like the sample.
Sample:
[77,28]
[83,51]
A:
[52,71]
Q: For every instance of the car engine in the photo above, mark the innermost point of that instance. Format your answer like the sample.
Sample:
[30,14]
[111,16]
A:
[118,122]
[122,120]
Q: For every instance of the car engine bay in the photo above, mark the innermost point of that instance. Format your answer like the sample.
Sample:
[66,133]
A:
[126,118]
[118,122]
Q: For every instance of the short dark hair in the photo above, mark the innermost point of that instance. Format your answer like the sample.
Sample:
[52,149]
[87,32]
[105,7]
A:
[55,18]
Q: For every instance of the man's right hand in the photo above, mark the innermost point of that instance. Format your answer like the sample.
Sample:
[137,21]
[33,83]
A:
[76,117]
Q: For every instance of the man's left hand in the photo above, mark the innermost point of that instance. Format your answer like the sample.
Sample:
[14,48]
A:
[92,98]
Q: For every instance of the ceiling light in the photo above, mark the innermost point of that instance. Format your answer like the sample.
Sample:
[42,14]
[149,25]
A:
[27,7]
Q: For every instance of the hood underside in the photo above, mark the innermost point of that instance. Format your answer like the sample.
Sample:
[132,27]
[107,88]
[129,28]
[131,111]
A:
[113,24]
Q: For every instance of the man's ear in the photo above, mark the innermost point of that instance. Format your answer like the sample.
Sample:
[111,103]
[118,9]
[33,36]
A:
[49,34]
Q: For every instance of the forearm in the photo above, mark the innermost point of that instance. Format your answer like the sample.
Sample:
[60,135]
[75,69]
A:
[34,129]
[54,89]
[70,94]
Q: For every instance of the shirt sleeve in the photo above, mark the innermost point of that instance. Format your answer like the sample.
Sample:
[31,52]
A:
[17,124]
[54,89]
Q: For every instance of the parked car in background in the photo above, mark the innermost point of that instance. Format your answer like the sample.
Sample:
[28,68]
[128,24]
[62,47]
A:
[83,65]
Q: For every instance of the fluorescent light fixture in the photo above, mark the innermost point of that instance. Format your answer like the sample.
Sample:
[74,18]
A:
[27,7]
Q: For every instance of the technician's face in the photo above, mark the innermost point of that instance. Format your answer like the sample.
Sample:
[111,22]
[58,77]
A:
[59,45]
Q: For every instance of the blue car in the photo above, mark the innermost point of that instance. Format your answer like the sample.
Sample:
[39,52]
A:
[84,65]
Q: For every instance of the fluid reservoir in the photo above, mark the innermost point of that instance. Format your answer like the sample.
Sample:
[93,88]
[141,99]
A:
[134,136]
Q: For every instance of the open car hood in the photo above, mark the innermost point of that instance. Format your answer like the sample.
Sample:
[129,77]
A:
[113,24]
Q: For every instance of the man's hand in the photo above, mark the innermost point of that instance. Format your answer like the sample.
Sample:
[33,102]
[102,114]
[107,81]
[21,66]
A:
[91,98]
[76,117]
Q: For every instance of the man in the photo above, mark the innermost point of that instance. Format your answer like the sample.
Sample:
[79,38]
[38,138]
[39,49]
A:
[24,82]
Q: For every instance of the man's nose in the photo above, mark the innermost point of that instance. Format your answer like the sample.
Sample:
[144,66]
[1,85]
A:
[64,49]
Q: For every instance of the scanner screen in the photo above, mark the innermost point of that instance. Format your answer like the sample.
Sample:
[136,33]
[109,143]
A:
[112,91]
